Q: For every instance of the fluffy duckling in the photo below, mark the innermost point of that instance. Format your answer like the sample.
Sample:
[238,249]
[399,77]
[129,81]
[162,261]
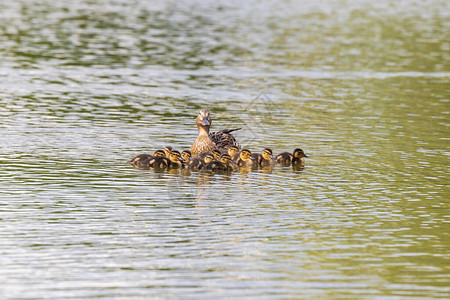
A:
[224,164]
[198,163]
[216,154]
[176,161]
[297,157]
[141,160]
[167,150]
[160,162]
[186,155]
[206,141]
[233,151]
[245,159]
[264,159]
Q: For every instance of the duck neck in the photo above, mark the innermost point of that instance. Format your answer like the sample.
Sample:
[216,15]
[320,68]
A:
[203,130]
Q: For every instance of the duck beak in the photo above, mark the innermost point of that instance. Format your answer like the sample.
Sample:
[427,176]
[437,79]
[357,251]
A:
[182,159]
[205,122]
[233,161]
[305,155]
[272,157]
[252,158]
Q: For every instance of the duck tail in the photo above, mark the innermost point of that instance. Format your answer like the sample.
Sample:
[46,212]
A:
[230,130]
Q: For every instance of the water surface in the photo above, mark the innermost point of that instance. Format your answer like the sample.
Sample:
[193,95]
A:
[361,87]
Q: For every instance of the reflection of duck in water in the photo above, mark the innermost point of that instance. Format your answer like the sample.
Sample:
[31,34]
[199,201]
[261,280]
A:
[206,141]
[245,159]
[297,157]
[264,159]
[198,163]
[224,164]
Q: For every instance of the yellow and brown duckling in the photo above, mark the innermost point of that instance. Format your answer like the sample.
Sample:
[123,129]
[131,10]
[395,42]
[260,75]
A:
[174,161]
[224,164]
[162,162]
[167,151]
[197,164]
[186,155]
[141,160]
[264,159]
[216,153]
[286,158]
[245,159]
[233,151]
[206,141]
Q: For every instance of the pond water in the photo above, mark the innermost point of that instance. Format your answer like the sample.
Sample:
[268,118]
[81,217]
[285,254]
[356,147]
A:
[361,86]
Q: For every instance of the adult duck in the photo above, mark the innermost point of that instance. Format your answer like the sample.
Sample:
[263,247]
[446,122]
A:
[209,141]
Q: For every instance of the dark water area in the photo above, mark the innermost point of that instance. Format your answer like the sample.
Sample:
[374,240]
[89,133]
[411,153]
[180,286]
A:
[361,86]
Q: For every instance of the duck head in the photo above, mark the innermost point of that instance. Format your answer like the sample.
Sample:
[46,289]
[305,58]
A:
[175,156]
[225,159]
[232,150]
[208,158]
[186,155]
[267,154]
[203,118]
[298,153]
[167,150]
[216,154]
[246,154]
[159,153]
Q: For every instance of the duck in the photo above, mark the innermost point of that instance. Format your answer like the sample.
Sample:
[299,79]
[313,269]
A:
[186,155]
[264,159]
[167,150]
[217,154]
[174,161]
[233,151]
[141,160]
[297,157]
[223,164]
[208,141]
[245,159]
[198,163]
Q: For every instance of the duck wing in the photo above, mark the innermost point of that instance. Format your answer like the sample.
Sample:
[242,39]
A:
[224,139]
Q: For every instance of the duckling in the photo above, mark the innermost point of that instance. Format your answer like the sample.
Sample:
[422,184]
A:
[265,158]
[233,151]
[167,150]
[159,153]
[245,159]
[297,157]
[198,163]
[176,161]
[224,164]
[141,160]
[216,153]
[186,155]
[161,162]
[206,141]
